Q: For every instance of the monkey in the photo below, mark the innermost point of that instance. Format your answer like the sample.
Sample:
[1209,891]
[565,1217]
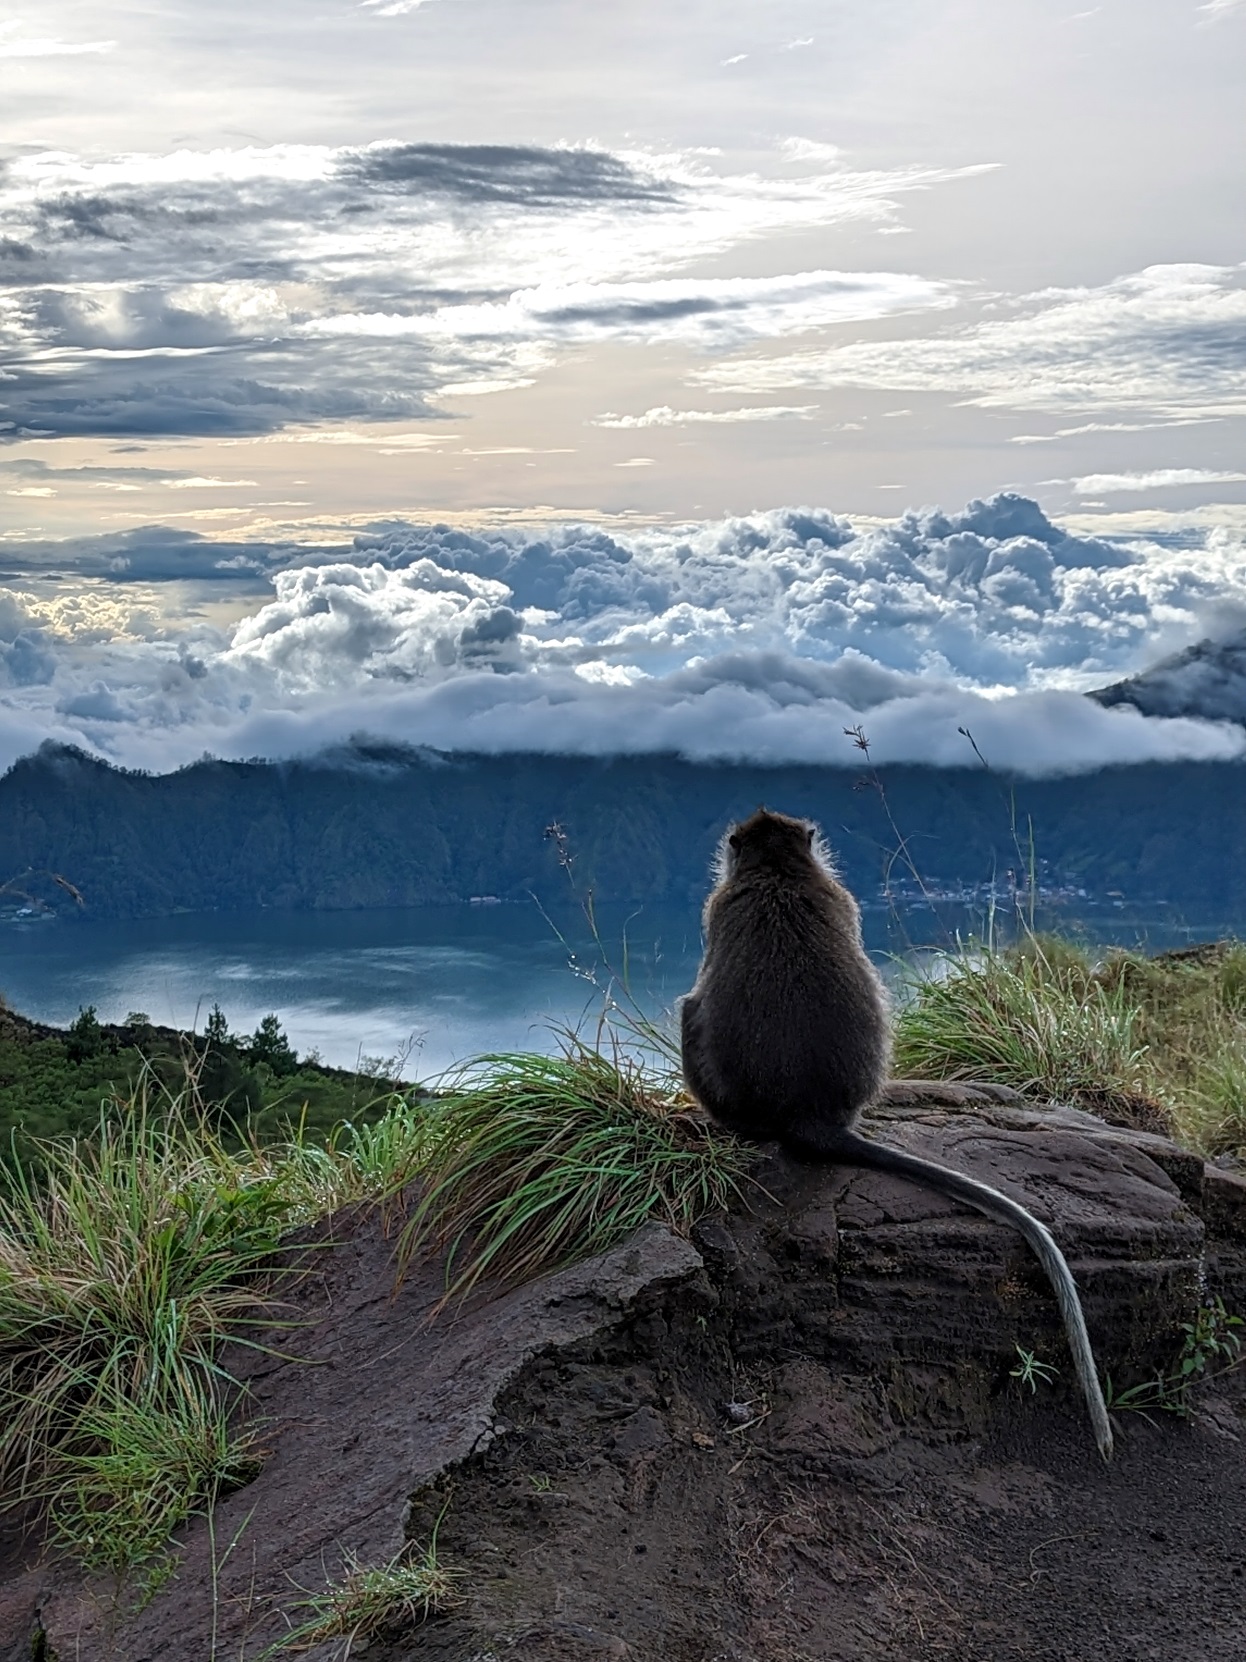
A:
[785,1036]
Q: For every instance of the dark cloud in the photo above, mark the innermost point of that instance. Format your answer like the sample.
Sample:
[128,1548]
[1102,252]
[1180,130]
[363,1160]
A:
[158,554]
[194,394]
[512,174]
[237,292]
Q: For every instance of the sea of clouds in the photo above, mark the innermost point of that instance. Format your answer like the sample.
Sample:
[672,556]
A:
[761,638]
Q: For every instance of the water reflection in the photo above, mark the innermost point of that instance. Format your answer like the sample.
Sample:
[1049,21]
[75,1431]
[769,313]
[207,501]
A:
[443,983]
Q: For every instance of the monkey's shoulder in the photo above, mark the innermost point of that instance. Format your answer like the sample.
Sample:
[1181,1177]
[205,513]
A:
[760,902]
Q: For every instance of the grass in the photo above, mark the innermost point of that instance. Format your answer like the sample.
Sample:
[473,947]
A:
[1161,1040]
[367,1602]
[533,1161]
[128,1261]
[1025,1019]
[122,1274]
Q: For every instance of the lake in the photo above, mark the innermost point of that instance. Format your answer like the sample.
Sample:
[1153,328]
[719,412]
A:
[438,984]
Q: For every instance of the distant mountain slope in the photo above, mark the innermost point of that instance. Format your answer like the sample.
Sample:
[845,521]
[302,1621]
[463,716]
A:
[1207,680]
[380,826]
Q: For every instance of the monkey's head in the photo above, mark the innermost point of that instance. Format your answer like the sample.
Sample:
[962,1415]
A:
[773,842]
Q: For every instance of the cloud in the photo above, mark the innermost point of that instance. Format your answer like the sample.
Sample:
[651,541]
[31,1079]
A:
[761,637]
[1104,484]
[239,291]
[158,554]
[663,415]
[333,625]
[1170,340]
[711,312]
[47,48]
[1215,10]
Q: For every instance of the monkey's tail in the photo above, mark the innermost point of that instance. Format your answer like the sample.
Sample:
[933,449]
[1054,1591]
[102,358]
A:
[855,1150]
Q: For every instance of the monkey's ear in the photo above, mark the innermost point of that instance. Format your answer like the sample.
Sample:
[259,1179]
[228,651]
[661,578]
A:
[734,839]
[809,834]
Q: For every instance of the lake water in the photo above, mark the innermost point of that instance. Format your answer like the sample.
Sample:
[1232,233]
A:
[433,985]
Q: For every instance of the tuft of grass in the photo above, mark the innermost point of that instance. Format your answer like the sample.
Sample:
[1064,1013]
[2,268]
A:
[531,1162]
[1158,1042]
[122,1273]
[142,1467]
[1033,1019]
[369,1601]
[1192,1014]
[357,1163]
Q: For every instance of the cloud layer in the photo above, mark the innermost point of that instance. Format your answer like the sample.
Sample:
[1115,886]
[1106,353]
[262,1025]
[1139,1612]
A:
[1170,340]
[237,291]
[760,637]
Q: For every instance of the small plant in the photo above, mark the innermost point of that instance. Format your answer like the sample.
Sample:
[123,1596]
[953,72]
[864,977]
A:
[620,1011]
[1211,1338]
[1031,1371]
[532,1162]
[367,1602]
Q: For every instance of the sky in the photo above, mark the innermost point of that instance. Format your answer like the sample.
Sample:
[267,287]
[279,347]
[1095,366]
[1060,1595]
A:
[526,374]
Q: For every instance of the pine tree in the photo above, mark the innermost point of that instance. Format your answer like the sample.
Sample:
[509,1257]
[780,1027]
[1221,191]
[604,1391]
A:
[269,1044]
[86,1037]
[216,1034]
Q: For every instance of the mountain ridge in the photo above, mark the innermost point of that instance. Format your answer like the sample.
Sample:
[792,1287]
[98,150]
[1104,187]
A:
[379,825]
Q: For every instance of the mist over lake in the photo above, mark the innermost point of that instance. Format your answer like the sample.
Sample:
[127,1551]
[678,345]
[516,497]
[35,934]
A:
[434,985]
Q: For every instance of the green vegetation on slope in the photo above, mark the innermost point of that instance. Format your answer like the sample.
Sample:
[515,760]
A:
[130,1256]
[54,1082]
[531,1162]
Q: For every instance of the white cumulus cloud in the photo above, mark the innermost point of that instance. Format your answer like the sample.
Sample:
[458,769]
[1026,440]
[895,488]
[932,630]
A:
[758,637]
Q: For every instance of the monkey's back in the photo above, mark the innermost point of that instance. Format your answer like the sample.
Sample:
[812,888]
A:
[788,1018]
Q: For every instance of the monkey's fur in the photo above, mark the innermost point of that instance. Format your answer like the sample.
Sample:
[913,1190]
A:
[785,1036]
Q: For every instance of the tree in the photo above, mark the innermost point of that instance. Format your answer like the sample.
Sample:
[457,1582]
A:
[228,1090]
[268,1044]
[86,1036]
[216,1034]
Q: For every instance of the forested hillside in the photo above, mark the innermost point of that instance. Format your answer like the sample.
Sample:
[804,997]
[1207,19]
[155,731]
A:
[384,827]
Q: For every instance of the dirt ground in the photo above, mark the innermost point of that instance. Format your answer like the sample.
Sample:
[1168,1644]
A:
[627,1516]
